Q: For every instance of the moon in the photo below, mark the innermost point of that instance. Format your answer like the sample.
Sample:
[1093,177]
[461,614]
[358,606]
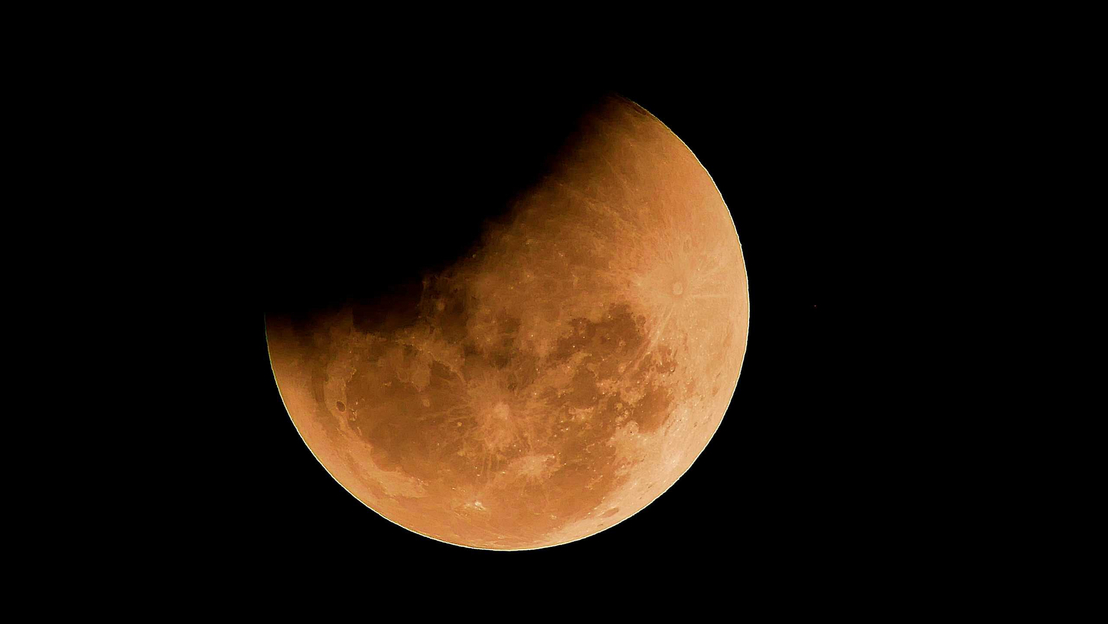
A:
[557,377]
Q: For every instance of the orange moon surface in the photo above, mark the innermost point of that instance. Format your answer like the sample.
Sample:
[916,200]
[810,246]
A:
[555,379]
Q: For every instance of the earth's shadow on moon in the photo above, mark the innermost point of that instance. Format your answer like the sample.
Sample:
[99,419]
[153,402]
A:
[368,201]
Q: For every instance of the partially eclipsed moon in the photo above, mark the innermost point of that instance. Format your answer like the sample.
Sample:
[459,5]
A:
[556,379]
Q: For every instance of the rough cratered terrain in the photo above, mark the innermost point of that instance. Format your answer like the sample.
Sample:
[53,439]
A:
[558,377]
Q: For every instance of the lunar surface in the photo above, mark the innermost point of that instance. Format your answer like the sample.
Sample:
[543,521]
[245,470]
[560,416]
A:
[555,379]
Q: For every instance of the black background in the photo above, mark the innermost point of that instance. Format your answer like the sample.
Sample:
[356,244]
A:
[333,192]
[250,166]
[316,165]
